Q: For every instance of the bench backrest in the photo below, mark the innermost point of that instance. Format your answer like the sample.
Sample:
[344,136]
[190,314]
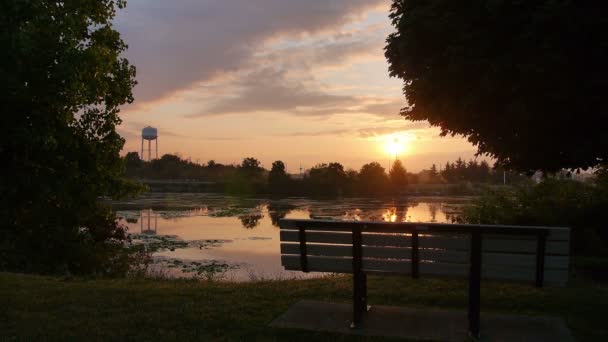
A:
[514,253]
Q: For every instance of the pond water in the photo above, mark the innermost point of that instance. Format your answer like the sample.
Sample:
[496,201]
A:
[237,239]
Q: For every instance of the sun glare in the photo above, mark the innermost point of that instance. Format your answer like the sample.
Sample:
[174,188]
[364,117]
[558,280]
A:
[395,145]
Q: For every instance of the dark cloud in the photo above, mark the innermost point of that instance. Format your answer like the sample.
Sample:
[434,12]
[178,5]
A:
[174,44]
[127,134]
[332,51]
[132,129]
[271,90]
[385,108]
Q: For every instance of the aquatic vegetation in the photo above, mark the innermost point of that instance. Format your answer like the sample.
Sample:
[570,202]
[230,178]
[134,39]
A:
[156,243]
[233,211]
[229,212]
[207,269]
[204,244]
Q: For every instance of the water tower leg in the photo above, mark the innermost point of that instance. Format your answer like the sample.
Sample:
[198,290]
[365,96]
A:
[156,148]
[141,155]
[149,150]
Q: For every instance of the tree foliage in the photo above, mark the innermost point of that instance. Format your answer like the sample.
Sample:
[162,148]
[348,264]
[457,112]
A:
[63,80]
[251,167]
[372,179]
[479,172]
[523,80]
[327,179]
[398,177]
[278,179]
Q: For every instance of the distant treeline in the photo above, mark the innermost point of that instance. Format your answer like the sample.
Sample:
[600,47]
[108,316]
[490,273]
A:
[330,179]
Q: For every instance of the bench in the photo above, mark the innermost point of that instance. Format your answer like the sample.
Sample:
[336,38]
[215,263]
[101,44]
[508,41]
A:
[536,255]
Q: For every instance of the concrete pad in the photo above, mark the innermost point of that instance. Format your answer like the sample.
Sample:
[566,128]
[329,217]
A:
[421,324]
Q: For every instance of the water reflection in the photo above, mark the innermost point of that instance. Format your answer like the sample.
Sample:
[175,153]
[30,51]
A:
[250,221]
[433,208]
[277,212]
[398,214]
[242,233]
[145,216]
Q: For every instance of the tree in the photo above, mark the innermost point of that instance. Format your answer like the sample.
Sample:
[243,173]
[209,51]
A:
[251,168]
[372,179]
[524,81]
[398,177]
[133,164]
[327,179]
[278,179]
[448,172]
[63,81]
[433,174]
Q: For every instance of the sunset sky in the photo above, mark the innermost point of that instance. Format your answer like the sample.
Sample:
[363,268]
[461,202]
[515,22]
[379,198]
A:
[300,81]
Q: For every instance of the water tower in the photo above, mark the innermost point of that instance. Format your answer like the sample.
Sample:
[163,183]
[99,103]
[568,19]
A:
[149,133]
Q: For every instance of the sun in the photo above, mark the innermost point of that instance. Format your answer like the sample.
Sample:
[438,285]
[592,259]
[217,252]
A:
[393,145]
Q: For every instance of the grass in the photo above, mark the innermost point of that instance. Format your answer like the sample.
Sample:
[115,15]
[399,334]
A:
[37,307]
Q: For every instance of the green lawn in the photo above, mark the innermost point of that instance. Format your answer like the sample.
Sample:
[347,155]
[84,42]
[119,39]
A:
[36,307]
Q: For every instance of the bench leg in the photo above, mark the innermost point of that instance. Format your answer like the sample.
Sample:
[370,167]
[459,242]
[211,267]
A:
[359,298]
[365,307]
[475,285]
[359,280]
[364,294]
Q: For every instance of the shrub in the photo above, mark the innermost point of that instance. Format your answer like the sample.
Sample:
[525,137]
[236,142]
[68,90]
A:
[553,202]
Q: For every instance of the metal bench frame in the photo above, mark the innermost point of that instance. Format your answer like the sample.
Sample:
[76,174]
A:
[476,233]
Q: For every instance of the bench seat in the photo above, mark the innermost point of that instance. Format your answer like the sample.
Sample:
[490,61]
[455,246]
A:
[538,255]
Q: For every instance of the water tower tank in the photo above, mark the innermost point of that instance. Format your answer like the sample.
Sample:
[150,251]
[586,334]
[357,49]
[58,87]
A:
[149,133]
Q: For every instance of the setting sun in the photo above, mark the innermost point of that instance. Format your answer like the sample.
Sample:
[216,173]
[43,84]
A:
[396,144]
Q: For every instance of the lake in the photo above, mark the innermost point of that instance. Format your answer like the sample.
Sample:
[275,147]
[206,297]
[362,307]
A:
[237,239]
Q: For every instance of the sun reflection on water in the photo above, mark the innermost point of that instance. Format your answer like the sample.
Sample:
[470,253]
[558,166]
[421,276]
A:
[244,234]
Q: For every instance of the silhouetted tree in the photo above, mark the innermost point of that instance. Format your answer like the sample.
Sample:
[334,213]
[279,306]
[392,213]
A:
[433,174]
[398,177]
[484,172]
[278,179]
[372,179]
[133,164]
[63,82]
[251,167]
[327,179]
[448,173]
[525,81]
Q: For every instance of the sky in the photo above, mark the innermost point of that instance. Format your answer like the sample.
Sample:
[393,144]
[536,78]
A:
[305,82]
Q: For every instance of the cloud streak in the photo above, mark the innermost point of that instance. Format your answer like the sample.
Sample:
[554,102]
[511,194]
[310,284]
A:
[175,44]
[363,132]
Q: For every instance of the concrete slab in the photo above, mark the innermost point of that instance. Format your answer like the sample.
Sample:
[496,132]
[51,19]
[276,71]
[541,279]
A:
[421,324]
